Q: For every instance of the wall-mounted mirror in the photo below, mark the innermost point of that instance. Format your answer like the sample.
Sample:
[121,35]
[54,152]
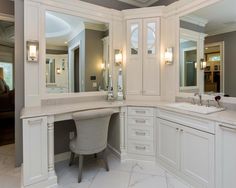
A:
[77,54]
[217,71]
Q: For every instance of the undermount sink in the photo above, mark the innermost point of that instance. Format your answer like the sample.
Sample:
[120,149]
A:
[195,108]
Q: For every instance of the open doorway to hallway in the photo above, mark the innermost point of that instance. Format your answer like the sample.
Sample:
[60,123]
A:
[7,93]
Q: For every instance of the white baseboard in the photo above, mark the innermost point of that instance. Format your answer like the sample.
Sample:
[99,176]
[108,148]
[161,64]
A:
[114,151]
[62,157]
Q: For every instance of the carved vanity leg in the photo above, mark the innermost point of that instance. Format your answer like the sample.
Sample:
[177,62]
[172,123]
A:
[51,170]
[123,131]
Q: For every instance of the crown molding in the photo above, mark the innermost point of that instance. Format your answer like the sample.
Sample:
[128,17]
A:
[195,20]
[139,3]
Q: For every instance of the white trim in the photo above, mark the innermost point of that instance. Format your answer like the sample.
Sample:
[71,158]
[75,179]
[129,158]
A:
[114,151]
[62,157]
[195,20]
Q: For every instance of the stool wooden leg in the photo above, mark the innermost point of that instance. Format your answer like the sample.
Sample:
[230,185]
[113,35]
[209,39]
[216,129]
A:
[95,155]
[105,159]
[72,156]
[81,160]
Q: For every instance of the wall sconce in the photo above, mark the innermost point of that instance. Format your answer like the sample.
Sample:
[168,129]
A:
[58,70]
[32,51]
[202,64]
[169,55]
[118,57]
[103,66]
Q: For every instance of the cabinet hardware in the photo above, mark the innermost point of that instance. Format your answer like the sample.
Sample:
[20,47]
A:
[177,129]
[140,147]
[181,130]
[140,133]
[140,121]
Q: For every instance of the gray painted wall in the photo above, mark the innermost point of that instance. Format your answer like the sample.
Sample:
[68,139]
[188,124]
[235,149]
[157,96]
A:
[7,7]
[19,77]
[93,56]
[230,59]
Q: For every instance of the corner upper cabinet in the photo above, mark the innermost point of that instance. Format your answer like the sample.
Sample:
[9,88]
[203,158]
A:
[143,58]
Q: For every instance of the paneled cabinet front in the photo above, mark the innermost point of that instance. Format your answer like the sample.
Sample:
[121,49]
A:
[35,161]
[143,58]
[187,150]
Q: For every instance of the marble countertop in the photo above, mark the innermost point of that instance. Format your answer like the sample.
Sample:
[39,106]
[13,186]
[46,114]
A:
[225,116]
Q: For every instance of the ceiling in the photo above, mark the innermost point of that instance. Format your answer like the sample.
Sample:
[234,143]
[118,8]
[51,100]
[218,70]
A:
[61,28]
[140,3]
[129,4]
[221,17]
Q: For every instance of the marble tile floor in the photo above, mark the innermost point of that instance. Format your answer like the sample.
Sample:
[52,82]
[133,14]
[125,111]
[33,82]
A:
[9,174]
[129,174]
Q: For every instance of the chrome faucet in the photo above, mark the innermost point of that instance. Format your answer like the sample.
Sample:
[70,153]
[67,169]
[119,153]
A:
[200,97]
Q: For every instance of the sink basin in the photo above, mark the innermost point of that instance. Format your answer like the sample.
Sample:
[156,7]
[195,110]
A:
[195,108]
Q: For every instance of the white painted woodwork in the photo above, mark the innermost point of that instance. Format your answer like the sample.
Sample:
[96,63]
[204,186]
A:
[190,121]
[137,111]
[197,155]
[168,142]
[151,62]
[188,151]
[35,149]
[225,156]
[140,131]
[134,75]
[143,69]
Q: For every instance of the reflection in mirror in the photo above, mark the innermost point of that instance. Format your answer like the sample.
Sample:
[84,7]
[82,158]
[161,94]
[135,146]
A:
[77,54]
[188,62]
[217,21]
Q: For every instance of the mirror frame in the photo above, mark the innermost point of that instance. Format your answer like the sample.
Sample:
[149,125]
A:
[191,7]
[79,12]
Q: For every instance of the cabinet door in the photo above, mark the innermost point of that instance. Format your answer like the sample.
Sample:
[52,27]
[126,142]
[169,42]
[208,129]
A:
[197,156]
[151,56]
[226,156]
[35,152]
[134,57]
[168,142]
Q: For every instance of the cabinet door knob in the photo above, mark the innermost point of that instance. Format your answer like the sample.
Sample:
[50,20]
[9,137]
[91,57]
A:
[177,129]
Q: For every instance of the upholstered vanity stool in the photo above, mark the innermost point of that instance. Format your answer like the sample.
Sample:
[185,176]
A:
[92,131]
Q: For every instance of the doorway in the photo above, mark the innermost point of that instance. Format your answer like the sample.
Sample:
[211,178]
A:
[7,91]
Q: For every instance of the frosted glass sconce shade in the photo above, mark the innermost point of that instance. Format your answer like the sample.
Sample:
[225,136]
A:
[169,55]
[32,51]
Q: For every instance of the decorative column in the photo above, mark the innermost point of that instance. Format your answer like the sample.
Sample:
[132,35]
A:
[51,170]
[123,144]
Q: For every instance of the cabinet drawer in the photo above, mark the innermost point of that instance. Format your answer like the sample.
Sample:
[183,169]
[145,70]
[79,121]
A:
[137,111]
[141,147]
[139,133]
[140,121]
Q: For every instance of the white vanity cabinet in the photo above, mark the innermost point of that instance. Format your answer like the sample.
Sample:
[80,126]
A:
[143,57]
[140,129]
[186,150]
[35,150]
[225,156]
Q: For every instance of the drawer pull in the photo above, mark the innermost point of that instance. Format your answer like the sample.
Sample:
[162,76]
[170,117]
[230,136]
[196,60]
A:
[140,133]
[140,147]
[140,121]
[140,112]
